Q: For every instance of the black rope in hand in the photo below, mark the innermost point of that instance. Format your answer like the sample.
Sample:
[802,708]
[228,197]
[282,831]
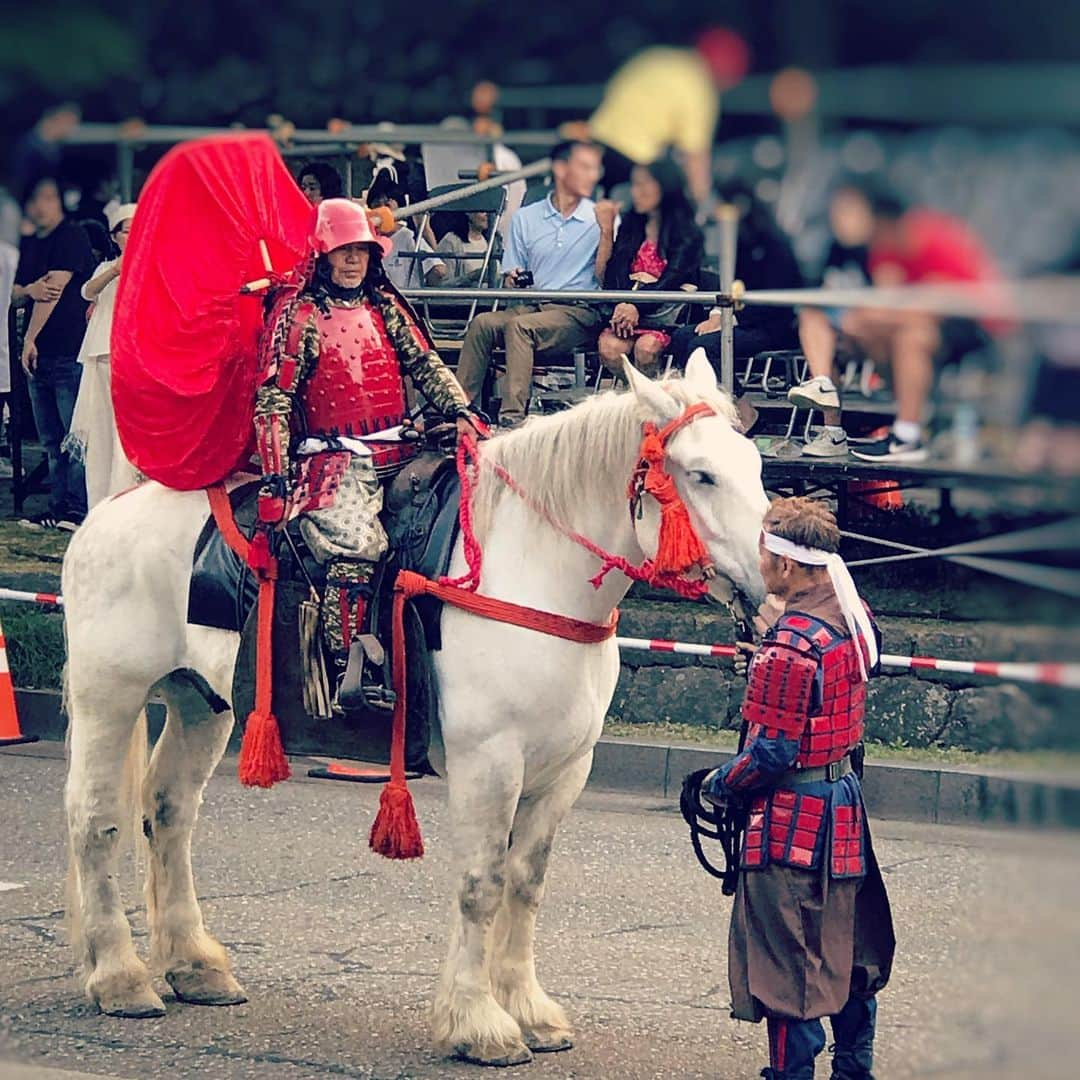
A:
[724,823]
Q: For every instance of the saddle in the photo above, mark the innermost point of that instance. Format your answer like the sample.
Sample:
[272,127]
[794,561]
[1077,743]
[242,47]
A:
[421,518]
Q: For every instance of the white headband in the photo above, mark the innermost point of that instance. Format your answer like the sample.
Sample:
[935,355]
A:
[858,622]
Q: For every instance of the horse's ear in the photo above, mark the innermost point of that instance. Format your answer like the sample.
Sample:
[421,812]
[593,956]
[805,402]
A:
[700,375]
[658,403]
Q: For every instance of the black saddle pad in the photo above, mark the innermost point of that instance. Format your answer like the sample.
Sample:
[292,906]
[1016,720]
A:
[363,735]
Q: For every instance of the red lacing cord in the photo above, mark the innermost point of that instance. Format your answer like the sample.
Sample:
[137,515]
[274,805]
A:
[468,464]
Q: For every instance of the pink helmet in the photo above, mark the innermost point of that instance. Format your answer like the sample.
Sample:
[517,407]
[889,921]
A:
[342,221]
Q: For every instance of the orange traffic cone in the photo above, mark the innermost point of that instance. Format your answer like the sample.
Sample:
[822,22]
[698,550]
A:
[10,732]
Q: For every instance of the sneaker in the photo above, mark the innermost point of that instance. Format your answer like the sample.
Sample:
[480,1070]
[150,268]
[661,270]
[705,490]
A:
[69,523]
[40,522]
[828,442]
[890,448]
[815,393]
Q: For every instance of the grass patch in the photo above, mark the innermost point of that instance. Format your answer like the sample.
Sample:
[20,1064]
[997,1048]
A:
[726,739]
[28,551]
[35,646]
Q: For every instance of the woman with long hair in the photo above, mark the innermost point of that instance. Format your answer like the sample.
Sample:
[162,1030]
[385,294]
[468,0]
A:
[658,247]
[467,238]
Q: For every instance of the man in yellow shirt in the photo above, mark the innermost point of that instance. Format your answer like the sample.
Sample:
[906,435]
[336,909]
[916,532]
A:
[667,98]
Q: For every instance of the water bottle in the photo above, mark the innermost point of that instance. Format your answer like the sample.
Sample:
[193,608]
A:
[965,434]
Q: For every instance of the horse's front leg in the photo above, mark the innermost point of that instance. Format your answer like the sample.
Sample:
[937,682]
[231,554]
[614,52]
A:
[542,1021]
[467,1021]
[193,961]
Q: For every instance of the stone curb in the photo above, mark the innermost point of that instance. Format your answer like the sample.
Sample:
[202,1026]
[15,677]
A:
[921,793]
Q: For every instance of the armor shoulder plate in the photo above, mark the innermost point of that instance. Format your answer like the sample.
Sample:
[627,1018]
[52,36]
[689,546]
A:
[780,687]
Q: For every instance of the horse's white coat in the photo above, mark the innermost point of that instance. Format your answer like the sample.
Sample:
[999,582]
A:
[520,711]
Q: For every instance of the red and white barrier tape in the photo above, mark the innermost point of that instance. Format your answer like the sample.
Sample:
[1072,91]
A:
[1045,674]
[32,597]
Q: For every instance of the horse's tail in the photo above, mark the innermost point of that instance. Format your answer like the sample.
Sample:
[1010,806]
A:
[131,780]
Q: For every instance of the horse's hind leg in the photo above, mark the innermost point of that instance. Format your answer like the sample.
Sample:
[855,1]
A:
[194,963]
[513,968]
[105,725]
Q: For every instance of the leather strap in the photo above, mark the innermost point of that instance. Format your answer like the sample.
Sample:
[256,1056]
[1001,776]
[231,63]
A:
[832,772]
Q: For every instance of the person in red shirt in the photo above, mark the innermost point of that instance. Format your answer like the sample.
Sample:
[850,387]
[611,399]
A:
[917,246]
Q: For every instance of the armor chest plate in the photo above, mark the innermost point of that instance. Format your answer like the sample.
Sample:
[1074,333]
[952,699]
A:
[356,387]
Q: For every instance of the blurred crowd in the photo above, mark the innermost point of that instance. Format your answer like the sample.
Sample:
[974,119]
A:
[628,206]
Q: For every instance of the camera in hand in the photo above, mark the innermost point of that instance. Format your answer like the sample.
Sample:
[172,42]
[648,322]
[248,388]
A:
[523,280]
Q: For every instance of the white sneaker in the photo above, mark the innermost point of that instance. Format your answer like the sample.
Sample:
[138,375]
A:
[815,393]
[828,442]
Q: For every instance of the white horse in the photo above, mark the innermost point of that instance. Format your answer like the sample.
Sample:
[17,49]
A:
[520,711]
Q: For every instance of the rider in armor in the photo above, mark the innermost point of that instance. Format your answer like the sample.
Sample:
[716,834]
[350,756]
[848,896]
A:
[811,930]
[329,411]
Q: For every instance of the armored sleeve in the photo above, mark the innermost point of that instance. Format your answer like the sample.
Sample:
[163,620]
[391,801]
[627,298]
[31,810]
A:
[293,357]
[779,695]
[420,361]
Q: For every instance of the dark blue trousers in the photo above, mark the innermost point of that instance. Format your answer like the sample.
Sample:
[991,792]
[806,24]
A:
[794,1044]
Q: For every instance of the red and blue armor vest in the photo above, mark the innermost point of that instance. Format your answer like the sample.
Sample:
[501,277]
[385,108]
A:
[804,708]
[804,681]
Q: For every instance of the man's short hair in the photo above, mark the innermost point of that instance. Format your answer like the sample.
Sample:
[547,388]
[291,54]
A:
[562,151]
[31,190]
[804,521]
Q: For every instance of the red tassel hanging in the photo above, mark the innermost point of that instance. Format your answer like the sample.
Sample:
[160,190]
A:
[262,757]
[395,832]
[678,546]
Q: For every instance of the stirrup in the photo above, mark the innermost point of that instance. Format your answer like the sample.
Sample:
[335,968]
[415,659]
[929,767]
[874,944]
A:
[353,691]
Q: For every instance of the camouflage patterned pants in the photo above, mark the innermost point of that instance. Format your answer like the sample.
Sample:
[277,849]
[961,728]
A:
[349,540]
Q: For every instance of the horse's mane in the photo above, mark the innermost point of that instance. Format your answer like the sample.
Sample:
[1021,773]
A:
[581,456]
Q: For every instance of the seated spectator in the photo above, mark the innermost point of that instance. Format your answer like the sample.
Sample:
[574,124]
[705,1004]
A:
[763,260]
[319,181]
[402,270]
[561,242]
[659,247]
[919,246]
[54,264]
[93,437]
[847,266]
[467,235]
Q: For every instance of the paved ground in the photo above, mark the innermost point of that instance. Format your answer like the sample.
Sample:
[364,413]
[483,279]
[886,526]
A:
[339,949]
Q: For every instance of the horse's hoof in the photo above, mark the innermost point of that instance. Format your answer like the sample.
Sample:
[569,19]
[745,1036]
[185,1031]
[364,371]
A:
[548,1041]
[502,1059]
[205,986]
[141,1004]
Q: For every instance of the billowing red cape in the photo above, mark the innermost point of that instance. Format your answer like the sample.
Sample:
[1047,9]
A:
[184,339]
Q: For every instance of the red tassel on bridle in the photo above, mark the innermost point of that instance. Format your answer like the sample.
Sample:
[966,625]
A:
[678,547]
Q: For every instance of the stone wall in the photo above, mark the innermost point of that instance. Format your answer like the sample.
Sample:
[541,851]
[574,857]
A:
[924,709]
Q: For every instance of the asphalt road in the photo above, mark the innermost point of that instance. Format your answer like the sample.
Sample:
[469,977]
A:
[338,949]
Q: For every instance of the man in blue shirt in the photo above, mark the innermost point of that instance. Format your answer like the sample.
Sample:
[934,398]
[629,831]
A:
[564,242]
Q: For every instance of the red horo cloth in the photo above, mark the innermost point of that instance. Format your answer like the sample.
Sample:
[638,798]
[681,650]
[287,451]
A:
[184,339]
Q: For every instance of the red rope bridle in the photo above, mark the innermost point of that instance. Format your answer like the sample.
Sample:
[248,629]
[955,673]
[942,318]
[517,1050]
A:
[395,832]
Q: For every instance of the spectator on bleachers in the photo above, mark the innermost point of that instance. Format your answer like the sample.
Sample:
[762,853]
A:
[847,266]
[54,263]
[919,246]
[39,152]
[763,260]
[563,242]
[468,234]
[92,437]
[667,99]
[657,239]
[319,181]
[405,272]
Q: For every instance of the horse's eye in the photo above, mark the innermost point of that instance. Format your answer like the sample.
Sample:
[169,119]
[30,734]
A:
[700,477]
